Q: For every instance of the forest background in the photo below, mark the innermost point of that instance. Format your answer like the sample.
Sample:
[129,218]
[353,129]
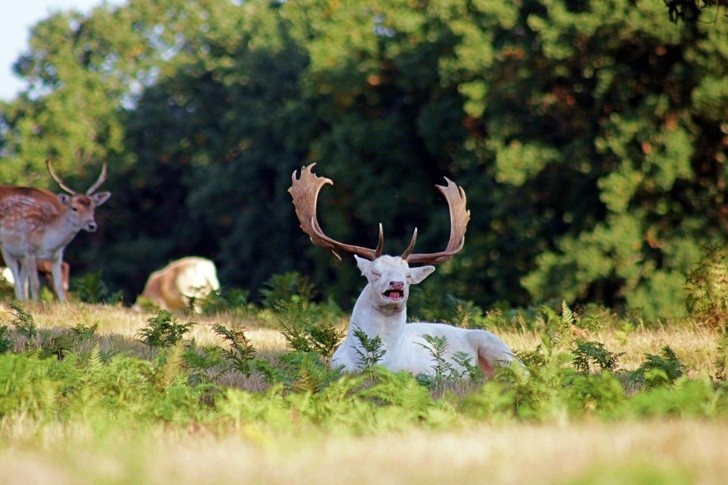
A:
[590,138]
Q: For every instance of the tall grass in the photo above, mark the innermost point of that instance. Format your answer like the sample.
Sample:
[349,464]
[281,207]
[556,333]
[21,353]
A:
[94,393]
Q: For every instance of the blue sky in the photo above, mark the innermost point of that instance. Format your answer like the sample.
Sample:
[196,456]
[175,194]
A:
[16,19]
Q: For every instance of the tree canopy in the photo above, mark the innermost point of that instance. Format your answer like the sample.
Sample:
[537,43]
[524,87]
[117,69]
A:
[590,138]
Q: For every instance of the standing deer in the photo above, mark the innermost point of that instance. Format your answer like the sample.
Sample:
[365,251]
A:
[36,224]
[381,311]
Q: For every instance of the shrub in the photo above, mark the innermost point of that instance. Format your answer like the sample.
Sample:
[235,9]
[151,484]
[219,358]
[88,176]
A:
[163,330]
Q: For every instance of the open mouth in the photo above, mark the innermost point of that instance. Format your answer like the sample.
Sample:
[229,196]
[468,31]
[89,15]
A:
[394,294]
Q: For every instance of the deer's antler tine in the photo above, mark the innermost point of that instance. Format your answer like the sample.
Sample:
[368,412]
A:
[58,179]
[99,181]
[304,190]
[459,218]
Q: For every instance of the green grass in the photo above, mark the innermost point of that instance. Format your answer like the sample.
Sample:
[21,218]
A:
[98,393]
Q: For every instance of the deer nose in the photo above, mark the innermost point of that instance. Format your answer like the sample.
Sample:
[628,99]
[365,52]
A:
[396,285]
[91,227]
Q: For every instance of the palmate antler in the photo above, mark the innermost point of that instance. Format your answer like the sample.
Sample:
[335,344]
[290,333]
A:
[100,180]
[305,189]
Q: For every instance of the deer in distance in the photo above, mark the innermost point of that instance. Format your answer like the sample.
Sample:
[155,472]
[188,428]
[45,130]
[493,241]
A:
[380,310]
[182,284]
[36,224]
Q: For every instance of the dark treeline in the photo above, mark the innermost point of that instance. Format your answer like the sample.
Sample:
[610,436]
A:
[590,138]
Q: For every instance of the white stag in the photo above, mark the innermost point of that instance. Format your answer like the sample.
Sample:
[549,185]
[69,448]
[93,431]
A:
[381,309]
[36,224]
[182,283]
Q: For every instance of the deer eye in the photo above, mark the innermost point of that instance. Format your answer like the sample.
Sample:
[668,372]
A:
[74,209]
[376,274]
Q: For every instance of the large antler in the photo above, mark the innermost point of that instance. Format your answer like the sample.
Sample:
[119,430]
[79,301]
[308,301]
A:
[91,190]
[459,218]
[304,190]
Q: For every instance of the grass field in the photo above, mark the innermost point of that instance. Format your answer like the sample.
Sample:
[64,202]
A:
[450,447]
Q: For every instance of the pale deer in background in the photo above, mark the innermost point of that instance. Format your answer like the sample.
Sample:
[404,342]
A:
[36,224]
[182,283]
[381,311]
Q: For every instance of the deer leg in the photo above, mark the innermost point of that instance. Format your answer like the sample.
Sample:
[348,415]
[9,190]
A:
[31,275]
[57,272]
[15,268]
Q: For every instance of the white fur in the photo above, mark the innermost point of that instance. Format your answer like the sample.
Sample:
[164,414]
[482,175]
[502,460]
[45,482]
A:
[405,348]
[177,284]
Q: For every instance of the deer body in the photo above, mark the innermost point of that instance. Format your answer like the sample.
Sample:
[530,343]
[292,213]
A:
[181,283]
[381,309]
[36,224]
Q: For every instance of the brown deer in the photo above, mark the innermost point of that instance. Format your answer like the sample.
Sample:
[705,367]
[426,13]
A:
[36,224]
[381,312]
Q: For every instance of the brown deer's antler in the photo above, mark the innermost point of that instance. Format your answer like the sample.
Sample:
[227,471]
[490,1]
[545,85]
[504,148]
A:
[90,191]
[99,181]
[304,190]
[459,218]
[58,179]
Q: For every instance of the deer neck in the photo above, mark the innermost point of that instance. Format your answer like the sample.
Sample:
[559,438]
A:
[60,232]
[384,321]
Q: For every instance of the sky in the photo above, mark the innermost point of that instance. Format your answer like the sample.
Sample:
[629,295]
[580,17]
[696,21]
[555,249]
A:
[16,19]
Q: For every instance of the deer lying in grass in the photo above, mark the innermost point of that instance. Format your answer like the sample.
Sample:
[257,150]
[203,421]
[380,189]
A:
[182,283]
[381,309]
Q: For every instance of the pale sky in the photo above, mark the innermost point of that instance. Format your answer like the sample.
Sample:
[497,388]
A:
[16,19]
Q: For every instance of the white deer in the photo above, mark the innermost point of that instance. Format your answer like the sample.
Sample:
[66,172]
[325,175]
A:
[381,309]
[36,224]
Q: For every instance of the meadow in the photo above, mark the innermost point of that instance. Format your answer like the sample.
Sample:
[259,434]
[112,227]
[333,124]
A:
[101,393]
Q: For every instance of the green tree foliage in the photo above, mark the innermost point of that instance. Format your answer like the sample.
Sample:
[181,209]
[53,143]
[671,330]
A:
[589,136]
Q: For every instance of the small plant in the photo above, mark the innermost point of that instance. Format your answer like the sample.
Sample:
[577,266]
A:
[6,342]
[59,346]
[707,287]
[82,332]
[308,330]
[164,330]
[660,369]
[721,360]
[233,300]
[593,354]
[24,322]
[474,372]
[373,351]
[241,354]
[437,348]
[90,288]
[283,288]
[444,370]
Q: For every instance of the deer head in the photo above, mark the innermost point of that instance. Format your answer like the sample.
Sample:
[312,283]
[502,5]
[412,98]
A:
[389,277]
[81,206]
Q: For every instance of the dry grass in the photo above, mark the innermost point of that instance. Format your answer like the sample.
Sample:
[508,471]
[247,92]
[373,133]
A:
[625,452]
[118,328]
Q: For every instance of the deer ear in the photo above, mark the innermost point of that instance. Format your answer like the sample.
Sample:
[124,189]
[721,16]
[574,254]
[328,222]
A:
[364,265]
[100,198]
[64,198]
[420,273]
